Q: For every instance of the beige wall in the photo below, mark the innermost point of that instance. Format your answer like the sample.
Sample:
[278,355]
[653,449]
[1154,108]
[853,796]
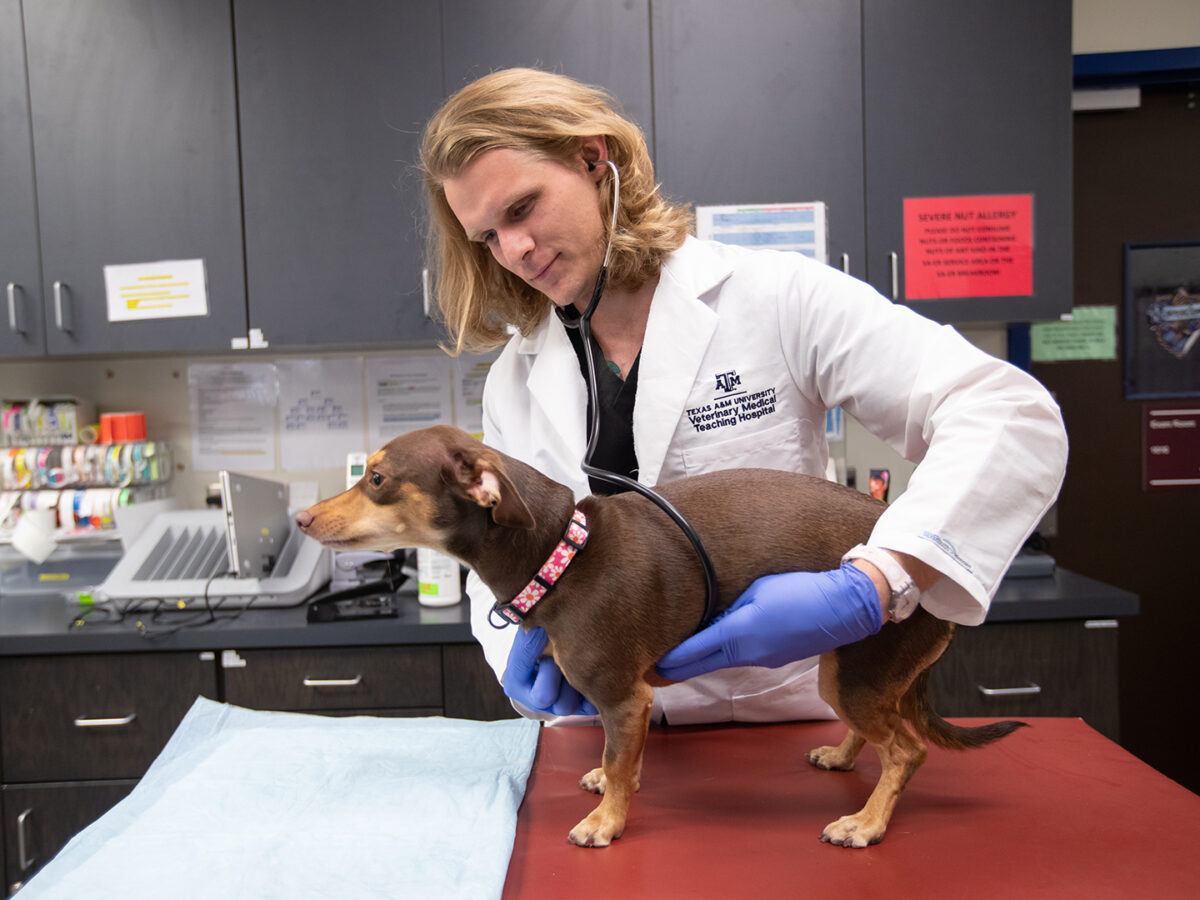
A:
[158,386]
[1111,26]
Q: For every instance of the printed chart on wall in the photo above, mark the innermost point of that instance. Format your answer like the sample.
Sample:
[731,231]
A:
[407,392]
[970,246]
[320,411]
[767,226]
[470,375]
[233,415]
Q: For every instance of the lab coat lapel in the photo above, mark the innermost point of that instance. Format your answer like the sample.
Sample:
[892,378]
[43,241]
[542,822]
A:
[557,387]
[678,332]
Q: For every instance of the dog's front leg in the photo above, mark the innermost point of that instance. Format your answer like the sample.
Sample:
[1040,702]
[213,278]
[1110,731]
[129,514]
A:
[625,726]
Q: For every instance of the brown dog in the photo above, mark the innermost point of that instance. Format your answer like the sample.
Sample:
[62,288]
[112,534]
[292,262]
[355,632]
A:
[636,590]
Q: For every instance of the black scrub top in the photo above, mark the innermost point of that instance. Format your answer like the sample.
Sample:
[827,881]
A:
[614,447]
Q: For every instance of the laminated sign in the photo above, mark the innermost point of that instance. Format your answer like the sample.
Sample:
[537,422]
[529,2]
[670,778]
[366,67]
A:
[956,247]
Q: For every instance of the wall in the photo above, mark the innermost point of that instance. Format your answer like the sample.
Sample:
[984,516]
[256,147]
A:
[1113,26]
[158,386]
[1132,184]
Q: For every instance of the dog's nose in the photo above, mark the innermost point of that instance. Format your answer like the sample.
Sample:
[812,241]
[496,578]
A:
[304,518]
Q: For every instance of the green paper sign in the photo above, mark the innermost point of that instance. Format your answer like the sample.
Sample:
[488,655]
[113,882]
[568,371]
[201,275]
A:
[1091,333]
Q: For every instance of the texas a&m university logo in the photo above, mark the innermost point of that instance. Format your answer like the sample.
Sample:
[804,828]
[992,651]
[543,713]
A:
[727,381]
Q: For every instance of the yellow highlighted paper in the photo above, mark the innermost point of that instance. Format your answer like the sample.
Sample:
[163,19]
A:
[157,290]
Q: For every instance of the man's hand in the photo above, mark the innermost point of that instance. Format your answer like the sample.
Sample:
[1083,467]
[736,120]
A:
[537,682]
[780,619]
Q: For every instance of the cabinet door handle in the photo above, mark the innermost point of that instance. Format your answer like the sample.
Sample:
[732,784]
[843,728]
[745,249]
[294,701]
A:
[87,722]
[26,862]
[1025,691]
[332,682]
[14,317]
[62,309]
[846,263]
[894,267]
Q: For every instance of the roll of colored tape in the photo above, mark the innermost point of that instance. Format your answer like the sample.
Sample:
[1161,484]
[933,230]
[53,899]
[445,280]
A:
[135,426]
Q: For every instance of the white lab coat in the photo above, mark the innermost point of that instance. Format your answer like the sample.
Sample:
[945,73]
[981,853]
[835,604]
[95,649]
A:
[798,337]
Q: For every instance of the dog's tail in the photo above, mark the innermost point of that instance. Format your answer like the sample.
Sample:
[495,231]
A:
[914,706]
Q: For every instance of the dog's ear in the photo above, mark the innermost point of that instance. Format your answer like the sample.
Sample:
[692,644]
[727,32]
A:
[480,477]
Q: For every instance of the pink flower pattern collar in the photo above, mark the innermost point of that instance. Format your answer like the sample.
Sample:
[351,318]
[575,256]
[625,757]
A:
[552,569]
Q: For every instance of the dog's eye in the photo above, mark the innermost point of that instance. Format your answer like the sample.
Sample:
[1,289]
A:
[376,479]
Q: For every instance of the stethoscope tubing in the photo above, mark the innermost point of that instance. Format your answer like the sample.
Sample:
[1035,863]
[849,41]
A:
[583,324]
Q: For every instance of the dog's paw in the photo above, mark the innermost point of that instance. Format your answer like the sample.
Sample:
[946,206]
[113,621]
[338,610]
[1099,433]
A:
[597,830]
[594,781]
[830,758]
[853,831]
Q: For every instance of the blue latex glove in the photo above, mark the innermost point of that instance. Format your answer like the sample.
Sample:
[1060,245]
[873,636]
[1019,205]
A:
[780,619]
[537,682]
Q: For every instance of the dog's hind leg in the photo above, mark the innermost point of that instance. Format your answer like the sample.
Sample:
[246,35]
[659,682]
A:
[625,726]
[842,756]
[901,754]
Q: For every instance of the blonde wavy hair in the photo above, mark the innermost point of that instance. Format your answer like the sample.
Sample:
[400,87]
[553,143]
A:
[550,115]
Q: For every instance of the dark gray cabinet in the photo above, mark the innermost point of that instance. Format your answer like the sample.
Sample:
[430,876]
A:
[135,147]
[41,818]
[21,320]
[77,731]
[1015,669]
[333,97]
[603,42]
[761,102]
[95,715]
[969,97]
[124,145]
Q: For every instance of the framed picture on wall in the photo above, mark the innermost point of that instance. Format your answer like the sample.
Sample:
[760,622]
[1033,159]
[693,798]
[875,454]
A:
[1161,342]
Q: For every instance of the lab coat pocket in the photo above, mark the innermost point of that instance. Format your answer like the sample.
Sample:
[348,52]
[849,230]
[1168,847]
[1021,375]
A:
[778,447]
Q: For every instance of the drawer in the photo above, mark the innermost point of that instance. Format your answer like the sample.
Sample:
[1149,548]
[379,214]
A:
[66,718]
[40,819]
[1013,669]
[351,678]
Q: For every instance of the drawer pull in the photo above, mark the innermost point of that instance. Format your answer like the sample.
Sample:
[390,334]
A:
[83,722]
[1026,691]
[26,862]
[333,682]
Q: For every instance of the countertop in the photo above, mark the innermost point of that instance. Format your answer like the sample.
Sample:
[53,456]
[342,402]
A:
[42,624]
[1054,810]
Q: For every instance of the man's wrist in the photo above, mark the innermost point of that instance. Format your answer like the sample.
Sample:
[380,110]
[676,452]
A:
[899,590]
[882,588]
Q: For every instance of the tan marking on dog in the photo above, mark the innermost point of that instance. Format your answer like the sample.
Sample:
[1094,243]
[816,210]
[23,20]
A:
[419,506]
[901,752]
[622,770]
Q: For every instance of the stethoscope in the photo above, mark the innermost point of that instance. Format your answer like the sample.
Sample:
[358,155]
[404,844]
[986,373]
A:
[572,318]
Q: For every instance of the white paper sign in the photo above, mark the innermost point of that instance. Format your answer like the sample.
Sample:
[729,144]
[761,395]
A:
[470,373]
[407,392]
[767,226]
[233,415]
[157,290]
[320,411]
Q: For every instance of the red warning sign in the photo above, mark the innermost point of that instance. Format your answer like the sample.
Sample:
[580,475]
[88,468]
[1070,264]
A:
[968,246]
